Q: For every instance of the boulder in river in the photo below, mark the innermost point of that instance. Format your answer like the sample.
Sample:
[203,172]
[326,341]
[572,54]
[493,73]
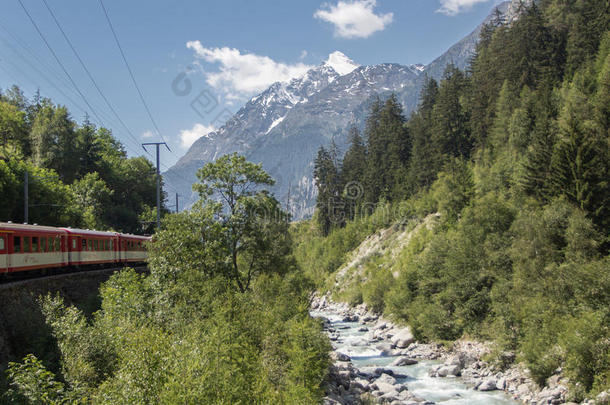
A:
[403,361]
[448,371]
[403,338]
[338,356]
[488,385]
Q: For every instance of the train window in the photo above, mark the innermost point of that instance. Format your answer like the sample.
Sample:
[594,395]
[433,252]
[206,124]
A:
[26,244]
[90,245]
[84,244]
[1,242]
[74,244]
[95,244]
[43,245]
[34,244]
[57,244]
[17,244]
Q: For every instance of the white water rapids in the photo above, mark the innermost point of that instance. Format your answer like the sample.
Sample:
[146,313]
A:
[446,391]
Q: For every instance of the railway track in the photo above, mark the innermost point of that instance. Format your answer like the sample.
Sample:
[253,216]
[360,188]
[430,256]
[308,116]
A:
[21,280]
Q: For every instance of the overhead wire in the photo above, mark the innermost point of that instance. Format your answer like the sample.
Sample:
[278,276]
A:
[87,71]
[133,79]
[84,66]
[59,62]
[135,149]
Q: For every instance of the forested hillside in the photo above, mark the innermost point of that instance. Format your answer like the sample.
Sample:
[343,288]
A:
[514,154]
[79,175]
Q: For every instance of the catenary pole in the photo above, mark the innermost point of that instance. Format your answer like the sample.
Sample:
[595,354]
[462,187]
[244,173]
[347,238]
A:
[26,197]
[157,145]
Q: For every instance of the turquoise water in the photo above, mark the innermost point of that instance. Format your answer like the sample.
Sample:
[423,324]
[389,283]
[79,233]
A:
[446,391]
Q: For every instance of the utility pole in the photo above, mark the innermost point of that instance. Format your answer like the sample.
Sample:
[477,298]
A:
[177,203]
[26,197]
[157,144]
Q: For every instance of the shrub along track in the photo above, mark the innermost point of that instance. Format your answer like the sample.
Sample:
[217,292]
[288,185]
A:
[22,325]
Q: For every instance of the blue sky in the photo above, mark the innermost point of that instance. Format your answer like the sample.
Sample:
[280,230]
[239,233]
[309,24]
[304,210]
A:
[226,51]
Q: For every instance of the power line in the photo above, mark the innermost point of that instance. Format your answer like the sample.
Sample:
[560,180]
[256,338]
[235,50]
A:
[60,81]
[133,79]
[34,82]
[59,62]
[89,73]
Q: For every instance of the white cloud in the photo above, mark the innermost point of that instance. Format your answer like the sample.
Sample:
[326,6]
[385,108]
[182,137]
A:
[354,19]
[147,134]
[453,7]
[303,54]
[241,75]
[189,136]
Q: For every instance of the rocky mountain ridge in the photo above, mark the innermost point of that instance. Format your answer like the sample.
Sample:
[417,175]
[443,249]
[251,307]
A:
[284,126]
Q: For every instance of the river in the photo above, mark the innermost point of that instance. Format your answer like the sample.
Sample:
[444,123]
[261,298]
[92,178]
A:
[447,391]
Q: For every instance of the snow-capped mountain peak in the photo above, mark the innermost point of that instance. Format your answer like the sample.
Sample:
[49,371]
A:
[340,63]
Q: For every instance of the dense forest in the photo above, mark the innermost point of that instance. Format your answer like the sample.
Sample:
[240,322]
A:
[78,175]
[514,154]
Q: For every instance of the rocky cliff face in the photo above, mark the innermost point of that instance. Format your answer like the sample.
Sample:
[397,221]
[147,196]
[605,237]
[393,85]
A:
[284,126]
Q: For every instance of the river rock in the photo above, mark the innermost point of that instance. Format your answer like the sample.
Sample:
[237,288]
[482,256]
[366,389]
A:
[488,385]
[386,348]
[455,360]
[369,318]
[390,397]
[338,356]
[403,361]
[403,338]
[448,371]
[361,383]
[386,379]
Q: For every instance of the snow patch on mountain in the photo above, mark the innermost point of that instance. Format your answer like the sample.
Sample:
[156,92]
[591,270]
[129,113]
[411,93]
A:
[275,123]
[341,63]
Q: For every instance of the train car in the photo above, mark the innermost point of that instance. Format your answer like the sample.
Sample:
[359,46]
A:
[86,247]
[132,248]
[31,247]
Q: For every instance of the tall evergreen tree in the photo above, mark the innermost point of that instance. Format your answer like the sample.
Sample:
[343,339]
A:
[329,207]
[422,169]
[451,133]
[389,150]
[353,170]
[536,177]
[579,163]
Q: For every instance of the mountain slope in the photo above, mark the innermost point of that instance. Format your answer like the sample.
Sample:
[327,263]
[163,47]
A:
[283,127]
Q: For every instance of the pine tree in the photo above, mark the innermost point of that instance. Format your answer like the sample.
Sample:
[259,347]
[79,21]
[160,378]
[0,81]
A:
[388,146]
[329,208]
[422,167]
[499,136]
[579,167]
[451,134]
[353,170]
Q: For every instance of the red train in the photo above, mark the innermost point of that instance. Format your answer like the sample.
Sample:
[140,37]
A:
[33,247]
